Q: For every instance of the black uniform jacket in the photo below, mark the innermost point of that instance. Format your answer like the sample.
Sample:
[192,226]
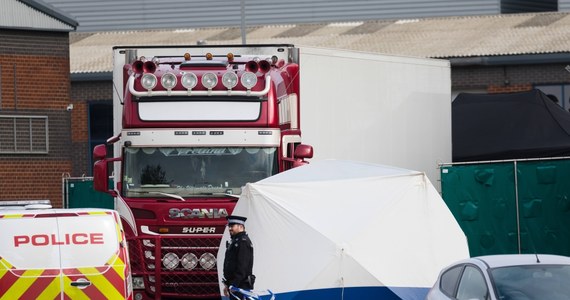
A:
[238,262]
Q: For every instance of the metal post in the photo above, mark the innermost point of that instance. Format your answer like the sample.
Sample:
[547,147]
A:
[0,88]
[64,200]
[517,206]
[243,22]
[15,89]
[14,128]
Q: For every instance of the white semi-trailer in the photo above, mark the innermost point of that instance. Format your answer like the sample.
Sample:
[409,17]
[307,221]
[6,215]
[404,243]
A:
[384,109]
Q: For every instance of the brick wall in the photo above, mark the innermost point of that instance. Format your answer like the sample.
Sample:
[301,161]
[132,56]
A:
[511,88]
[498,79]
[92,90]
[34,81]
[33,179]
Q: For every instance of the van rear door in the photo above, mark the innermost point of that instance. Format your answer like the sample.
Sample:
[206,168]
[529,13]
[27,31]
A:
[93,257]
[29,263]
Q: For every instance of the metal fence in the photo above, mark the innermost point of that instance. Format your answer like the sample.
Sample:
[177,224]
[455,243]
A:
[78,192]
[511,206]
[176,266]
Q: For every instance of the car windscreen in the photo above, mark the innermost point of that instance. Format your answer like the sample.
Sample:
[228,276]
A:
[534,282]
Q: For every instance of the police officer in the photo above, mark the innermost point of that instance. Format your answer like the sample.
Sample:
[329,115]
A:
[238,262]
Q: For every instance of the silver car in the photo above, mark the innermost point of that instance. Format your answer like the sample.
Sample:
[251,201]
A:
[505,277]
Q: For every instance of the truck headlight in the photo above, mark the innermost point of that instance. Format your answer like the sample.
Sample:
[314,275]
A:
[189,261]
[189,80]
[148,81]
[138,283]
[170,261]
[168,81]
[248,80]
[209,80]
[207,261]
[230,80]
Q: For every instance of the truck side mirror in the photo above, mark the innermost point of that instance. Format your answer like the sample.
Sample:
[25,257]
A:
[100,177]
[304,151]
[99,152]
[100,170]
[301,153]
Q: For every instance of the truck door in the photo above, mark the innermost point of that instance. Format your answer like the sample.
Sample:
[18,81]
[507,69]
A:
[29,261]
[93,260]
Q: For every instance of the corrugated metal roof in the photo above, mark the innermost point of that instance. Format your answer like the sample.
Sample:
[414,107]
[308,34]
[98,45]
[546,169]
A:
[35,15]
[563,5]
[114,15]
[446,37]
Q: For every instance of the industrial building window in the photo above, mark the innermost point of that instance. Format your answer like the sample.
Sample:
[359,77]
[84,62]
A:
[24,134]
[100,125]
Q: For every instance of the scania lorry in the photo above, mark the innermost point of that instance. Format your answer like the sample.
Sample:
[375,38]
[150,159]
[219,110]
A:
[192,126]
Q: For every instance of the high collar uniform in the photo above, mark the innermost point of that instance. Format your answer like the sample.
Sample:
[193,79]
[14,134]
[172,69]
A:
[238,262]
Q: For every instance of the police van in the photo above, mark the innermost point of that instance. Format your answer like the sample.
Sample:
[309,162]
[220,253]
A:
[63,254]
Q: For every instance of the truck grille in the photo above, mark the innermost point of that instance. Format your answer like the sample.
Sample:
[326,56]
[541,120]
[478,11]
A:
[176,266]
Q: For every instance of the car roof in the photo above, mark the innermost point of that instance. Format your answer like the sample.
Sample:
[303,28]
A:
[502,260]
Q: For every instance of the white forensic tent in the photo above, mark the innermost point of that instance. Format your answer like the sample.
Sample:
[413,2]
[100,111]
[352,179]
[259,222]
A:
[348,230]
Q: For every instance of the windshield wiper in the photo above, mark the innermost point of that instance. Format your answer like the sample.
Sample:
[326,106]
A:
[177,197]
[217,194]
[227,194]
[169,195]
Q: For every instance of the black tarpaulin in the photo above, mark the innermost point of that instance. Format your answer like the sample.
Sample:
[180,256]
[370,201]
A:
[508,126]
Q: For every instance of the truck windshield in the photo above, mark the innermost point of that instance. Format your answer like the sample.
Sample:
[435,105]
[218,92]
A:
[205,171]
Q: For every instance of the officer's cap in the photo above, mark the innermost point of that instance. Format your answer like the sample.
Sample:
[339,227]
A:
[236,220]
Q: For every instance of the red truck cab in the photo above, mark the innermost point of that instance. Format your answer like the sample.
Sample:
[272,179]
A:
[196,124]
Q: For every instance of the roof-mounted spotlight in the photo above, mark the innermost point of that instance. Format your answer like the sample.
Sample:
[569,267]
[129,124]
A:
[148,81]
[189,80]
[209,80]
[168,81]
[248,80]
[229,80]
